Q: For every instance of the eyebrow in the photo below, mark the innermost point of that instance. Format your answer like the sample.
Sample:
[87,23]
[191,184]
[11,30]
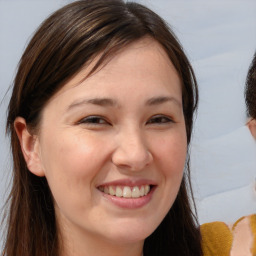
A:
[105,102]
[162,99]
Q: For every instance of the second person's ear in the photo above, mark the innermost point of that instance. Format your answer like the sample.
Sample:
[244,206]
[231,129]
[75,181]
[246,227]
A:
[252,126]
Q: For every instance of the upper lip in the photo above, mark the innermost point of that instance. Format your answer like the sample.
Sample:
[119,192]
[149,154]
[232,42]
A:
[128,182]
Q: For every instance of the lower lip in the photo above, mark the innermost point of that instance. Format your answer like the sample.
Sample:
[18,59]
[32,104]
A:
[130,203]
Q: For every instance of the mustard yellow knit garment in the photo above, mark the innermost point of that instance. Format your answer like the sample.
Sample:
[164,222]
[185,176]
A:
[217,237]
[253,225]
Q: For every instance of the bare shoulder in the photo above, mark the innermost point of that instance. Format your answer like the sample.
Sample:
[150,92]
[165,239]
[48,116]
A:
[238,239]
[244,236]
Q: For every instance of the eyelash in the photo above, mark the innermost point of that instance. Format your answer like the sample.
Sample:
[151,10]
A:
[93,120]
[98,120]
[160,119]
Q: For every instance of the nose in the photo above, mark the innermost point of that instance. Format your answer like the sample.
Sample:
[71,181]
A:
[132,152]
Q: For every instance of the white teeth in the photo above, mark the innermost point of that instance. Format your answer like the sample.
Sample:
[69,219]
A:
[106,190]
[142,191]
[111,191]
[119,192]
[147,188]
[126,191]
[135,192]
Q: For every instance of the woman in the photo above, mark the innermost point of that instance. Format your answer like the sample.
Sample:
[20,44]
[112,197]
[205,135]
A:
[239,238]
[100,121]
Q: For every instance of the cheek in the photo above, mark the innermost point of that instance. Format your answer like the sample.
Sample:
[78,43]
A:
[171,153]
[70,164]
[70,155]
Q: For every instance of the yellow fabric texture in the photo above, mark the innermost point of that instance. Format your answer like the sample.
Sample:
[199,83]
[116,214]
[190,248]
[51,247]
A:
[253,225]
[217,237]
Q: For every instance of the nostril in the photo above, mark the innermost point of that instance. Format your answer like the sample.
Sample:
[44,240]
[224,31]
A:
[132,158]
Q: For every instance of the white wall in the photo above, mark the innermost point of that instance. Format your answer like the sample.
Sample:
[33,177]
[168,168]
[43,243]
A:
[220,39]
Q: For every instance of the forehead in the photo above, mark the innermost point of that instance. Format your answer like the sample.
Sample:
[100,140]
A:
[144,62]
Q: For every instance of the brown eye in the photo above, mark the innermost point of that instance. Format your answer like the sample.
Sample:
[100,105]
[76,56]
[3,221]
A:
[94,120]
[159,119]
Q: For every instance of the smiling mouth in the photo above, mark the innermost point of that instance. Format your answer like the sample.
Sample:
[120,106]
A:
[126,191]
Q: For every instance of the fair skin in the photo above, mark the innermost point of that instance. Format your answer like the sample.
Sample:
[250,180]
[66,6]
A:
[121,130]
[252,127]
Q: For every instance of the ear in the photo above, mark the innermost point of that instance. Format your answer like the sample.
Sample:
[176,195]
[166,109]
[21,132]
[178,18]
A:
[252,126]
[30,146]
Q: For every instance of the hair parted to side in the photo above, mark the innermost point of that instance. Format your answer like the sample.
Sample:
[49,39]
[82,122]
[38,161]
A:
[65,43]
[250,89]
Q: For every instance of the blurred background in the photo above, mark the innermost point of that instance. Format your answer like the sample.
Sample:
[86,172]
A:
[219,38]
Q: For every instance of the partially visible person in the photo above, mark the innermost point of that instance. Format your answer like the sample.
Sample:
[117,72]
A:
[239,239]
[250,97]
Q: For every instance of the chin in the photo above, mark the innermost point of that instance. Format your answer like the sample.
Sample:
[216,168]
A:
[129,238]
[132,233]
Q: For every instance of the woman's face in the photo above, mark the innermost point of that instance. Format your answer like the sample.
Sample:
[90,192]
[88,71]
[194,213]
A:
[113,146]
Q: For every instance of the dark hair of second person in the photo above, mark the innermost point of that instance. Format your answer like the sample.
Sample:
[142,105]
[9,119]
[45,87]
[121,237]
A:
[250,96]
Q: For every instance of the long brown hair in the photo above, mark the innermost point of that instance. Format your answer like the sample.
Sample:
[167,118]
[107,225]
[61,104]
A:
[67,41]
